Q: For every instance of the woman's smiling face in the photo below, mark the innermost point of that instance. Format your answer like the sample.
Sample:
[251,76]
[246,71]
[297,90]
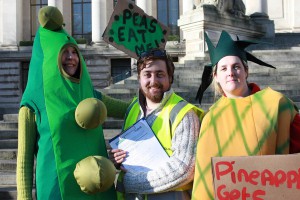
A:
[232,75]
[70,60]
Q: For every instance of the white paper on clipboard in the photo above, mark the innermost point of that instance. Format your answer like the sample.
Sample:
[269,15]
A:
[144,150]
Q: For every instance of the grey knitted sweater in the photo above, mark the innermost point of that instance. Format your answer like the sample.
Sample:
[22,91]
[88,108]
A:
[179,169]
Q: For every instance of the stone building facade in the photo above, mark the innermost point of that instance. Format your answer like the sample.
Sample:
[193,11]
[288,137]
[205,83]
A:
[107,65]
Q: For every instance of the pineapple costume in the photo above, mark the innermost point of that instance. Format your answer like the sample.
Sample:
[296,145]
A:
[258,124]
[47,126]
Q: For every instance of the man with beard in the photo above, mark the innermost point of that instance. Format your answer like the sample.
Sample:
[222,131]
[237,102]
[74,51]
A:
[175,123]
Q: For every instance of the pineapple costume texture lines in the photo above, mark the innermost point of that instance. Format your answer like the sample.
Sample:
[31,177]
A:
[255,125]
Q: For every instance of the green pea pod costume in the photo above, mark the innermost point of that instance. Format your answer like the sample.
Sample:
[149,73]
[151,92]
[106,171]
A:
[53,97]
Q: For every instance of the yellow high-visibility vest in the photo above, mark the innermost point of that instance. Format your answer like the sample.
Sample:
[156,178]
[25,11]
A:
[164,125]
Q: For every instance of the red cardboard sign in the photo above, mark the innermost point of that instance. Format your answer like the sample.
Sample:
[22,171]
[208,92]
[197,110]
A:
[132,31]
[274,177]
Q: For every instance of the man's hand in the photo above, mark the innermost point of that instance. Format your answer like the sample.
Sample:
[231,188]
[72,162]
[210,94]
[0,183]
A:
[117,156]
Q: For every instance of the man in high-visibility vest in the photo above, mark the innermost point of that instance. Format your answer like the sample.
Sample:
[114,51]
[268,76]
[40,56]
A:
[175,123]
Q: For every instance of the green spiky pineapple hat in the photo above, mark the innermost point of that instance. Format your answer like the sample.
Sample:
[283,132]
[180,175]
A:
[226,47]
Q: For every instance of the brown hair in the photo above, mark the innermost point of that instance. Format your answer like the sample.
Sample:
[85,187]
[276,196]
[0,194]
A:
[141,64]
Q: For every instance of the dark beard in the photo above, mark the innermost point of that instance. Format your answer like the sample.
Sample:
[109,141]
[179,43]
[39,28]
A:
[154,98]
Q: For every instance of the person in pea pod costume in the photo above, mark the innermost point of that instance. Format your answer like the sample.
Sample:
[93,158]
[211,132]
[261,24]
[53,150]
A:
[52,126]
[246,120]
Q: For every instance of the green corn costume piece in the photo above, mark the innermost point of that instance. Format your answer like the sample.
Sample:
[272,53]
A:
[53,97]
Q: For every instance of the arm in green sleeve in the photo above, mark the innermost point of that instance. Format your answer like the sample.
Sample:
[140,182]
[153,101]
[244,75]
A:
[115,107]
[25,161]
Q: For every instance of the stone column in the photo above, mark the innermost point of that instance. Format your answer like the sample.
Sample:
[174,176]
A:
[98,21]
[256,8]
[187,5]
[258,12]
[1,22]
[11,23]
[58,4]
[142,4]
[51,2]
[295,15]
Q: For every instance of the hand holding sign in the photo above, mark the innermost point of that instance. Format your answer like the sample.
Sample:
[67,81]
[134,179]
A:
[132,31]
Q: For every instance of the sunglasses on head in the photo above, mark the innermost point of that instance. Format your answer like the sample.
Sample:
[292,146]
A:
[154,52]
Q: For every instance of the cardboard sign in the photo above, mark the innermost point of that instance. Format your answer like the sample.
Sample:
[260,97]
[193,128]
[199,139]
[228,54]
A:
[132,31]
[275,177]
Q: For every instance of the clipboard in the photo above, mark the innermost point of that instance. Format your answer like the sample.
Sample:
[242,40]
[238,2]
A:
[144,151]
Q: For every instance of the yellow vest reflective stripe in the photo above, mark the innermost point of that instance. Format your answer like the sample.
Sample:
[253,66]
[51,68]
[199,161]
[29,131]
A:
[165,123]
[168,119]
[132,114]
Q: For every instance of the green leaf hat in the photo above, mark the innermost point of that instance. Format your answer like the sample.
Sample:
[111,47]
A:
[226,47]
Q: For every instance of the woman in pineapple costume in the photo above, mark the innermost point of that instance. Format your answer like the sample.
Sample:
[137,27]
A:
[246,120]
[48,127]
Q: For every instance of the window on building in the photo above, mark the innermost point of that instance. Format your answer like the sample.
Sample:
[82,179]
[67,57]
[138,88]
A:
[35,6]
[120,69]
[82,19]
[168,14]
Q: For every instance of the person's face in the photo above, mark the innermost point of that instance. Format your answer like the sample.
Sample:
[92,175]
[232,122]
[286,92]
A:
[232,77]
[70,60]
[154,80]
